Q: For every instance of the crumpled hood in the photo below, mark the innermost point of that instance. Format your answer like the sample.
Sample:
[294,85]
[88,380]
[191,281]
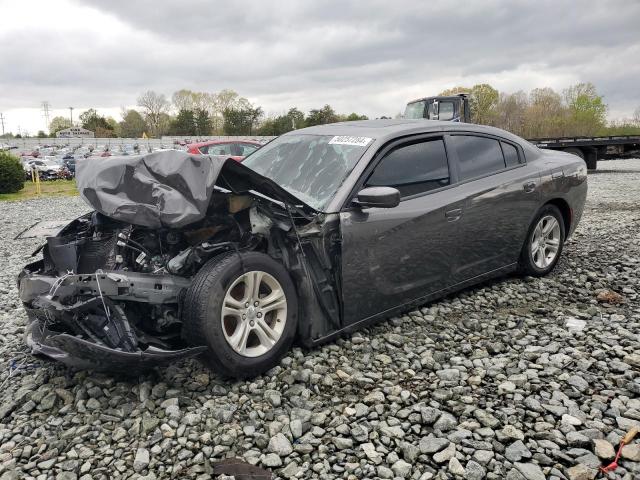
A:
[167,188]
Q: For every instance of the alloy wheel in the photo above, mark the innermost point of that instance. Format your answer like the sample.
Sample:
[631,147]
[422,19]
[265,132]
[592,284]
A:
[545,241]
[254,313]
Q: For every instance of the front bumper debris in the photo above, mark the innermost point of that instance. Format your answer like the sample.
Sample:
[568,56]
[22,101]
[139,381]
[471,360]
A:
[83,354]
[77,319]
[117,285]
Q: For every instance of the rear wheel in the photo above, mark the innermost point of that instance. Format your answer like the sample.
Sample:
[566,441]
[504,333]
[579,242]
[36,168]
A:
[543,246]
[243,307]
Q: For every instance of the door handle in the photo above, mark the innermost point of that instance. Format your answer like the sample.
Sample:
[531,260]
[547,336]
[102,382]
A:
[529,187]
[453,215]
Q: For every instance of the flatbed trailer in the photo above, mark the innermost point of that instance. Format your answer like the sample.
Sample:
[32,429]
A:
[592,149]
[455,108]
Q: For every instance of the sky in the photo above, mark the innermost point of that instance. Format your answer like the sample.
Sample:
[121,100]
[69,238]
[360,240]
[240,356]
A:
[368,57]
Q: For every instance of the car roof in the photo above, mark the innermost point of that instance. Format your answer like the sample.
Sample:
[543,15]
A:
[387,129]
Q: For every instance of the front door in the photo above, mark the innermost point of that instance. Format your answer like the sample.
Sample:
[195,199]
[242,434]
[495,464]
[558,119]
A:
[393,256]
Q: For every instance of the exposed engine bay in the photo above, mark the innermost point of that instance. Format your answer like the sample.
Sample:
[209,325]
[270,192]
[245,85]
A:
[107,293]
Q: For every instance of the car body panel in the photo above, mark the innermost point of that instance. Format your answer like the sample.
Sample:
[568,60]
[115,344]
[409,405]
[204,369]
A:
[351,264]
[393,256]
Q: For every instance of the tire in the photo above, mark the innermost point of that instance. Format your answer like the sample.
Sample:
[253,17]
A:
[575,151]
[539,263]
[223,281]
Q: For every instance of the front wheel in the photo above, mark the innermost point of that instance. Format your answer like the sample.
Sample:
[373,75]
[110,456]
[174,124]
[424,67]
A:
[243,307]
[543,246]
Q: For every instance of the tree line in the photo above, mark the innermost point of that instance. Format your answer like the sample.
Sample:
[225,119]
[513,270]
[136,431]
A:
[576,111]
[190,113]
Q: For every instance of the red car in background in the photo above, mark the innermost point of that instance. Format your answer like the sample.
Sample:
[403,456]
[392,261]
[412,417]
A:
[236,149]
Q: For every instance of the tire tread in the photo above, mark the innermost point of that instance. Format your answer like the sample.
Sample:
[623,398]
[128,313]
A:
[195,315]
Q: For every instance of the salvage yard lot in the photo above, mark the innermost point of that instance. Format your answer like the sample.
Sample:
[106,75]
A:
[53,188]
[513,379]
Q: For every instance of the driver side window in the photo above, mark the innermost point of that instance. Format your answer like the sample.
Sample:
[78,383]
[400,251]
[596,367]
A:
[413,168]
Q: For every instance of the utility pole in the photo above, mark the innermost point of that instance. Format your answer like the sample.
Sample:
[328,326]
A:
[45,113]
[2,122]
[71,115]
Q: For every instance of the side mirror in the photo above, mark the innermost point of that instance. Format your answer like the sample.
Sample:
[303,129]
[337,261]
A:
[379,197]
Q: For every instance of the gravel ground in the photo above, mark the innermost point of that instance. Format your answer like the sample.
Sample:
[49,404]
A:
[517,379]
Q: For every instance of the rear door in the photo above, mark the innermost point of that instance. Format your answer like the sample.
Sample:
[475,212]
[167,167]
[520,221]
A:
[396,255]
[501,196]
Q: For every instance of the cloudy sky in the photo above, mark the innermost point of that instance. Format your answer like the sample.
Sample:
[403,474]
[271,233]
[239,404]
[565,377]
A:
[364,56]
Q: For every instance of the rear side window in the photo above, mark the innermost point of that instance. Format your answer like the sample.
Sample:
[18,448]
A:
[477,156]
[511,157]
[414,168]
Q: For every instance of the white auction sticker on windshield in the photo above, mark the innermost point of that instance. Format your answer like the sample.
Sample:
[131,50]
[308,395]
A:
[347,140]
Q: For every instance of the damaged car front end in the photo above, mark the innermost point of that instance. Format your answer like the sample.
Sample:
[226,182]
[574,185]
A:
[109,292]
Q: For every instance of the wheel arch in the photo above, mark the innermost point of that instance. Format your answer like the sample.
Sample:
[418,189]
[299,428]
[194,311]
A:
[565,210]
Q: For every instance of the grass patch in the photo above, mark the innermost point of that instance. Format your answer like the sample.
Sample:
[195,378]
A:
[52,188]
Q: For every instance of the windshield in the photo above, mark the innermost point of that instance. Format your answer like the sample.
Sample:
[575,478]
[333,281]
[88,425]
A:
[414,110]
[310,167]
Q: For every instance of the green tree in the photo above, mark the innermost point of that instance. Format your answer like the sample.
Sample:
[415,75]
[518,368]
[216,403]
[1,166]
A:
[184,123]
[241,120]
[354,116]
[203,122]
[91,120]
[11,173]
[132,124]
[482,102]
[41,134]
[57,124]
[321,116]
[296,117]
[454,91]
[587,109]
[292,120]
[114,126]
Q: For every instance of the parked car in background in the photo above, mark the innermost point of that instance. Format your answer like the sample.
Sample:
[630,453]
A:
[70,164]
[320,232]
[236,149]
[47,169]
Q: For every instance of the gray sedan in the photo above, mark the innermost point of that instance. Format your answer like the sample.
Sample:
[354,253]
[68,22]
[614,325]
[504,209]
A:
[321,231]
